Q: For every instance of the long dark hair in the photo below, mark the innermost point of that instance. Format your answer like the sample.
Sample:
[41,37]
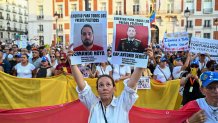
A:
[112,80]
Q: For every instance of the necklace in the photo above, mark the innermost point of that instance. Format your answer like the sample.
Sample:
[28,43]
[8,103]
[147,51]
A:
[214,112]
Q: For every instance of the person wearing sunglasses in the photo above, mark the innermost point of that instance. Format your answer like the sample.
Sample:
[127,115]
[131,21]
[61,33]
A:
[87,37]
[64,66]
[207,107]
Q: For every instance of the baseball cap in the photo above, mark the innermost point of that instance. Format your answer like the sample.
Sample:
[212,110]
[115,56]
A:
[44,59]
[163,59]
[195,62]
[18,55]
[208,77]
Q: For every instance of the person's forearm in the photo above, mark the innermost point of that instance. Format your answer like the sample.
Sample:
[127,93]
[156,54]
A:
[135,77]
[78,77]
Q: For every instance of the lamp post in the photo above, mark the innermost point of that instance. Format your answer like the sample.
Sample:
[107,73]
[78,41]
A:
[56,15]
[216,23]
[187,14]
[8,26]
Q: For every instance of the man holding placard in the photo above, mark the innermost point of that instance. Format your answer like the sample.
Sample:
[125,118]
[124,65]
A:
[130,44]
[87,37]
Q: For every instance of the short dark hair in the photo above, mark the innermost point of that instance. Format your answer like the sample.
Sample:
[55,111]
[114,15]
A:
[15,45]
[131,26]
[112,80]
[26,55]
[87,25]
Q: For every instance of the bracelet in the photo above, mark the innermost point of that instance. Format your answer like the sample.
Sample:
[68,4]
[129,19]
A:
[187,121]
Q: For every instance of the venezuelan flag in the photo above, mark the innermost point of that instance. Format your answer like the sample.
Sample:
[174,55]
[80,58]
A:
[152,17]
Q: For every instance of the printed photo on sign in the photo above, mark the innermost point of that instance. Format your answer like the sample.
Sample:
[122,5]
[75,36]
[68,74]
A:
[88,37]
[178,41]
[130,38]
[144,83]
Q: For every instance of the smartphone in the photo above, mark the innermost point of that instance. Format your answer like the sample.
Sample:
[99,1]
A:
[194,71]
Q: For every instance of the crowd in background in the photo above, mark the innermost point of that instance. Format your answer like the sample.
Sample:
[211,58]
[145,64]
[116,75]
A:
[40,61]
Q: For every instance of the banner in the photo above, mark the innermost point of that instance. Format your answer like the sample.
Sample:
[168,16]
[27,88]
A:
[131,36]
[16,93]
[178,41]
[144,83]
[204,45]
[21,41]
[76,112]
[89,36]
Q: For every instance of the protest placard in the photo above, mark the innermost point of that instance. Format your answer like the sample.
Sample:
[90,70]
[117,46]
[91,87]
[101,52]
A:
[88,36]
[178,41]
[131,36]
[203,45]
[21,41]
[144,83]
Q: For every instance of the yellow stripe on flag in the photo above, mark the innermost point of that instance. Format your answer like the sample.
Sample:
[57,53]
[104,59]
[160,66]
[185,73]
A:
[36,92]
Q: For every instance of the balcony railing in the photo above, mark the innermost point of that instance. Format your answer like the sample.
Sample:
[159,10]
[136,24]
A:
[1,8]
[25,22]
[40,31]
[9,19]
[1,17]
[14,11]
[20,21]
[60,30]
[190,26]
[7,10]
[40,17]
[14,20]
[207,26]
[60,16]
[207,10]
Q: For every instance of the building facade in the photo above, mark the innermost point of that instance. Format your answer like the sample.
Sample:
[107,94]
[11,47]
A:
[13,19]
[46,29]
[201,22]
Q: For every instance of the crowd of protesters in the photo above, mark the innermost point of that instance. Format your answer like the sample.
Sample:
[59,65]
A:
[40,61]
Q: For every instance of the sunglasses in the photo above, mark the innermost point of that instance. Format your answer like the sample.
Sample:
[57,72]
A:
[35,52]
[52,56]
[194,66]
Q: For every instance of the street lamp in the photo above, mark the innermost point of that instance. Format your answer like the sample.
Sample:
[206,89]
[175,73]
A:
[187,14]
[8,26]
[56,15]
[216,23]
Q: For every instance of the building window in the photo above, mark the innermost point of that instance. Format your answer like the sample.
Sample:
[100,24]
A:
[118,8]
[170,6]
[73,7]
[207,23]
[189,1]
[1,34]
[103,6]
[40,27]
[136,7]
[207,35]
[60,11]
[14,17]
[20,27]
[207,0]
[41,40]
[40,9]
[8,16]
[60,27]
[1,25]
[190,25]
[90,6]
